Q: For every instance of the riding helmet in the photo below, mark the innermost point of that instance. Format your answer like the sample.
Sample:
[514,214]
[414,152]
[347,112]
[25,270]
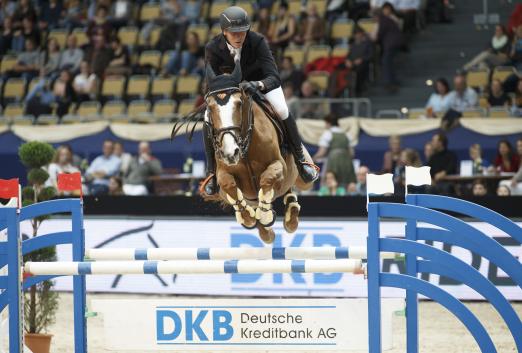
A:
[234,19]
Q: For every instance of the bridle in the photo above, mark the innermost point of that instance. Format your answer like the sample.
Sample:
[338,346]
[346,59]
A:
[242,136]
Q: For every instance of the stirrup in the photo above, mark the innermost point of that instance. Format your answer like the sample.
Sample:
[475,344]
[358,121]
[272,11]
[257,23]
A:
[203,185]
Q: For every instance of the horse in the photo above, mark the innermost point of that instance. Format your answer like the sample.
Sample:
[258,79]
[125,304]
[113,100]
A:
[252,167]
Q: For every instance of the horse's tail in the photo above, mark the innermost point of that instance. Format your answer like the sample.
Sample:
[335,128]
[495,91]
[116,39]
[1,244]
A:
[193,118]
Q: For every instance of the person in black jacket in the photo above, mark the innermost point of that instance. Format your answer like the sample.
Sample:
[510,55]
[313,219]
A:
[259,73]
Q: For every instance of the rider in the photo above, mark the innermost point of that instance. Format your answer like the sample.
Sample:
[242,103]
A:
[260,73]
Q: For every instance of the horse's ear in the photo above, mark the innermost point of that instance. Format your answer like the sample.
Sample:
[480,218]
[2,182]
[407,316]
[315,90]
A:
[236,74]
[211,75]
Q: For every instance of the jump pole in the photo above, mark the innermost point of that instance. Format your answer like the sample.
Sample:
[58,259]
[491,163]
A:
[243,253]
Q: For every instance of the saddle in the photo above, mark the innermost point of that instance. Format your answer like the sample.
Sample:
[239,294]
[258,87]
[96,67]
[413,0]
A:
[265,105]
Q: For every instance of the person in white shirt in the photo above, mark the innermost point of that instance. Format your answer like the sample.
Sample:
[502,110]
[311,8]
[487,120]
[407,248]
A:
[62,163]
[334,144]
[439,101]
[71,55]
[84,83]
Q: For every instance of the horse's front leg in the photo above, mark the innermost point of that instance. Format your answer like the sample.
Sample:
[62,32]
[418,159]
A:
[269,179]
[245,214]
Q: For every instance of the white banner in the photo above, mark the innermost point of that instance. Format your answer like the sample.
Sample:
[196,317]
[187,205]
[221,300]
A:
[145,233]
[208,325]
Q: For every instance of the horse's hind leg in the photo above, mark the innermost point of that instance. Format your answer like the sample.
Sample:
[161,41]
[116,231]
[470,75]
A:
[269,179]
[245,214]
[292,209]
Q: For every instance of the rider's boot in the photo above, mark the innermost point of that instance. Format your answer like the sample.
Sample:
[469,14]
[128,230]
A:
[307,171]
[209,185]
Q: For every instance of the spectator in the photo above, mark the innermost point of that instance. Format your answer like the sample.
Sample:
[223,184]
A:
[174,23]
[439,102]
[331,186]
[28,62]
[27,32]
[506,161]
[84,83]
[462,98]
[335,144]
[311,27]
[62,163]
[63,92]
[6,38]
[475,154]
[125,157]
[115,186]
[479,188]
[309,110]
[51,12]
[192,10]
[145,165]
[503,190]
[290,74]
[51,58]
[409,158]
[72,55]
[443,162]
[184,60]
[389,37]
[359,57]
[515,184]
[516,49]
[282,29]
[393,155]
[291,99]
[359,188]
[42,98]
[100,24]
[73,14]
[98,55]
[102,169]
[7,10]
[497,97]
[407,10]
[497,53]
[120,60]
[428,151]
[262,25]
[24,10]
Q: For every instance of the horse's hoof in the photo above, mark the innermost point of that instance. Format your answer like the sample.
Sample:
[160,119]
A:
[291,217]
[267,235]
[249,227]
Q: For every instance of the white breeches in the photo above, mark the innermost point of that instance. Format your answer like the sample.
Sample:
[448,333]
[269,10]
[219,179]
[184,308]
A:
[278,102]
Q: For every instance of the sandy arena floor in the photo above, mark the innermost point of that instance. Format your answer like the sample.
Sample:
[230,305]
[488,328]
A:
[440,332]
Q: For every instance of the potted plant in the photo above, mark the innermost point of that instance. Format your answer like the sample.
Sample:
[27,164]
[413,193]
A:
[40,302]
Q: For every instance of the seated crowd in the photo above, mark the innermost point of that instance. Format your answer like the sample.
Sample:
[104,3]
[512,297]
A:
[344,177]
[66,49]
[490,82]
[114,172]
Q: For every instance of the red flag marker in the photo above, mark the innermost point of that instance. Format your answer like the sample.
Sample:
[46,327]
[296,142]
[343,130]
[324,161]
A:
[70,182]
[9,188]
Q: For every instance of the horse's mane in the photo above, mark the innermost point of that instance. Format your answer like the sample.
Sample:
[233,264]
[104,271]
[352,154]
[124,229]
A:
[193,118]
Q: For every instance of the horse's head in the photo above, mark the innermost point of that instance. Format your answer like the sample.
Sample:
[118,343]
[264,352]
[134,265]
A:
[224,113]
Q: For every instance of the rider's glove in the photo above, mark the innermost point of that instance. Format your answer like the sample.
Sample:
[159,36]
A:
[250,87]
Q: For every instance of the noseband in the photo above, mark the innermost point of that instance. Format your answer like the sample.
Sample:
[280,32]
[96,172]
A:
[236,131]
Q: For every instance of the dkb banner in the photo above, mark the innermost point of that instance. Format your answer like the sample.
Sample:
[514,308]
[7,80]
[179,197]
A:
[209,325]
[147,233]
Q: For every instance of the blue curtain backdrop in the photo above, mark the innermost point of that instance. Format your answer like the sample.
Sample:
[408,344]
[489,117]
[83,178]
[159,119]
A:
[174,153]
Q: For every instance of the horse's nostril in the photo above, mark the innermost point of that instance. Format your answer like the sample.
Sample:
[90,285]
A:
[236,152]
